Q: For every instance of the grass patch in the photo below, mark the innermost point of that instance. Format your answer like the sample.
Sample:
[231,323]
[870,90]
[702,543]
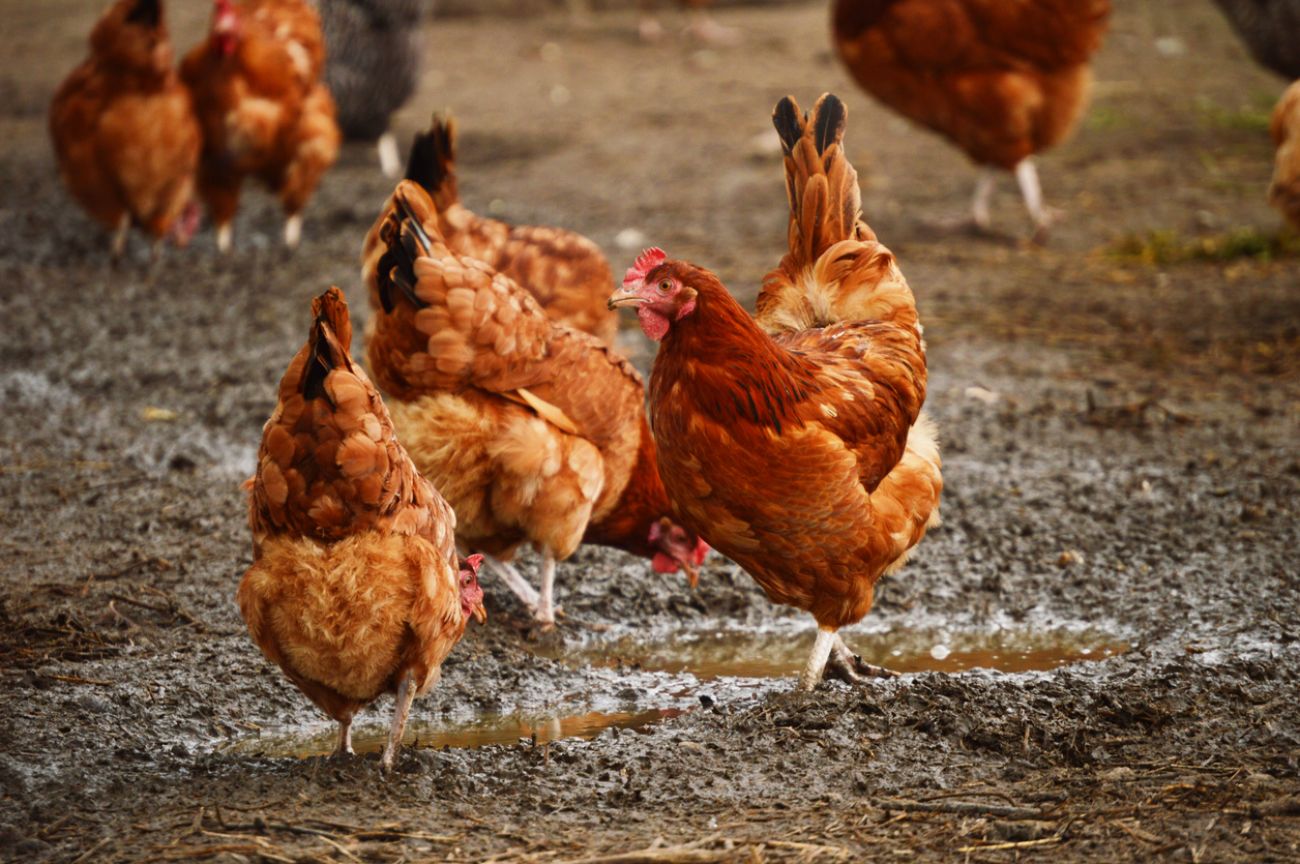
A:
[1170,247]
[1253,116]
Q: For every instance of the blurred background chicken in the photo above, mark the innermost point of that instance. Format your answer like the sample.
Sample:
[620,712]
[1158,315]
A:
[124,130]
[264,110]
[372,65]
[1284,191]
[702,26]
[535,432]
[1271,29]
[356,589]
[793,441]
[566,273]
[1001,80]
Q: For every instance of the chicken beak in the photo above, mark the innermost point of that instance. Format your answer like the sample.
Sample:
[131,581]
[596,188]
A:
[480,614]
[624,297]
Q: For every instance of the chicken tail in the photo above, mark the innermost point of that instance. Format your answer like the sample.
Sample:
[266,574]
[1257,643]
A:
[820,184]
[408,233]
[835,269]
[146,13]
[331,337]
[432,162]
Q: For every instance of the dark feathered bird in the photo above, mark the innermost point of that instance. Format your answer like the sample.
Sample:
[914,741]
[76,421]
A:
[373,50]
[1271,29]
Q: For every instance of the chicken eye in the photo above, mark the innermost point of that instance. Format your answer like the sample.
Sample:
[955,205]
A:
[665,286]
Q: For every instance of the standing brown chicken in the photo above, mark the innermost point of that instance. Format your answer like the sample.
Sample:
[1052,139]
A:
[536,432]
[566,272]
[1001,79]
[793,440]
[264,110]
[356,589]
[124,130]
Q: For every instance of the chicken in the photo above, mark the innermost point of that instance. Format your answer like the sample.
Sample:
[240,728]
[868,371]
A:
[793,441]
[373,66]
[566,273]
[1001,80]
[1284,191]
[1271,29]
[535,432]
[356,589]
[263,108]
[702,27]
[124,130]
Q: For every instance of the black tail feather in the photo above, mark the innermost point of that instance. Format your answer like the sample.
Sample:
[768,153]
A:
[831,120]
[406,241]
[433,155]
[785,117]
[319,365]
[146,13]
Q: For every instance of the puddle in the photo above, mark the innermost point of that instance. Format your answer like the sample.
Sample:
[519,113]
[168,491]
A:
[752,654]
[484,731]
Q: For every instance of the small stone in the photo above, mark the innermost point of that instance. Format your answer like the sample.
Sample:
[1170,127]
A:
[1069,558]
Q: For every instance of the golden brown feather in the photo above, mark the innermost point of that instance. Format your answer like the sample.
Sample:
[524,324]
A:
[264,111]
[793,441]
[123,126]
[533,430]
[356,589]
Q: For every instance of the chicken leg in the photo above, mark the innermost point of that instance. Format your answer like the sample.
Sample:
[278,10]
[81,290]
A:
[1032,191]
[546,600]
[831,658]
[405,696]
[515,581]
[390,160]
[345,740]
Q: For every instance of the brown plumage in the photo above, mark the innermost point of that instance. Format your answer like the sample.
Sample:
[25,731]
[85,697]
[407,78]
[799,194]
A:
[793,441]
[1001,79]
[1284,191]
[265,112]
[534,431]
[123,127]
[565,272]
[355,589]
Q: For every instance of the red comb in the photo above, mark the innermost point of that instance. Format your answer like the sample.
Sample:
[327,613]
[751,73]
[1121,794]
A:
[648,260]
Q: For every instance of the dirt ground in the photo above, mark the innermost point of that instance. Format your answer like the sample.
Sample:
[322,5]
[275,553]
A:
[1120,413]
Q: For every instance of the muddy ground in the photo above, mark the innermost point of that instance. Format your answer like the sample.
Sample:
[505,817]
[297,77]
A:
[1119,411]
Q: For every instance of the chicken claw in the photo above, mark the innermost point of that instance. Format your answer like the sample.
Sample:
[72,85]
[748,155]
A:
[850,668]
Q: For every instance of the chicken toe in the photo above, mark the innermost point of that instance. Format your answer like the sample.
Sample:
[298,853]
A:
[850,668]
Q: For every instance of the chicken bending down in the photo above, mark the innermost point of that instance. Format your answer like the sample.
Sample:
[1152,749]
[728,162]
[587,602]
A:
[534,431]
[372,66]
[1284,191]
[565,272]
[356,589]
[1001,80]
[793,440]
[264,110]
[124,130]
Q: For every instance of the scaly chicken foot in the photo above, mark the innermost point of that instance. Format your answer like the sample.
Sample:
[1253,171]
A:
[390,160]
[546,610]
[851,668]
[120,237]
[1032,191]
[402,708]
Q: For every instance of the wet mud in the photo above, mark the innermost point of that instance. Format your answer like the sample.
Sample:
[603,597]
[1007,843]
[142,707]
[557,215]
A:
[1120,430]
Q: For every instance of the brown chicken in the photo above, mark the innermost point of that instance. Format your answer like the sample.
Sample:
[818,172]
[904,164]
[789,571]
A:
[536,432]
[1001,79]
[265,113]
[567,273]
[1284,191]
[124,130]
[356,589]
[793,441]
